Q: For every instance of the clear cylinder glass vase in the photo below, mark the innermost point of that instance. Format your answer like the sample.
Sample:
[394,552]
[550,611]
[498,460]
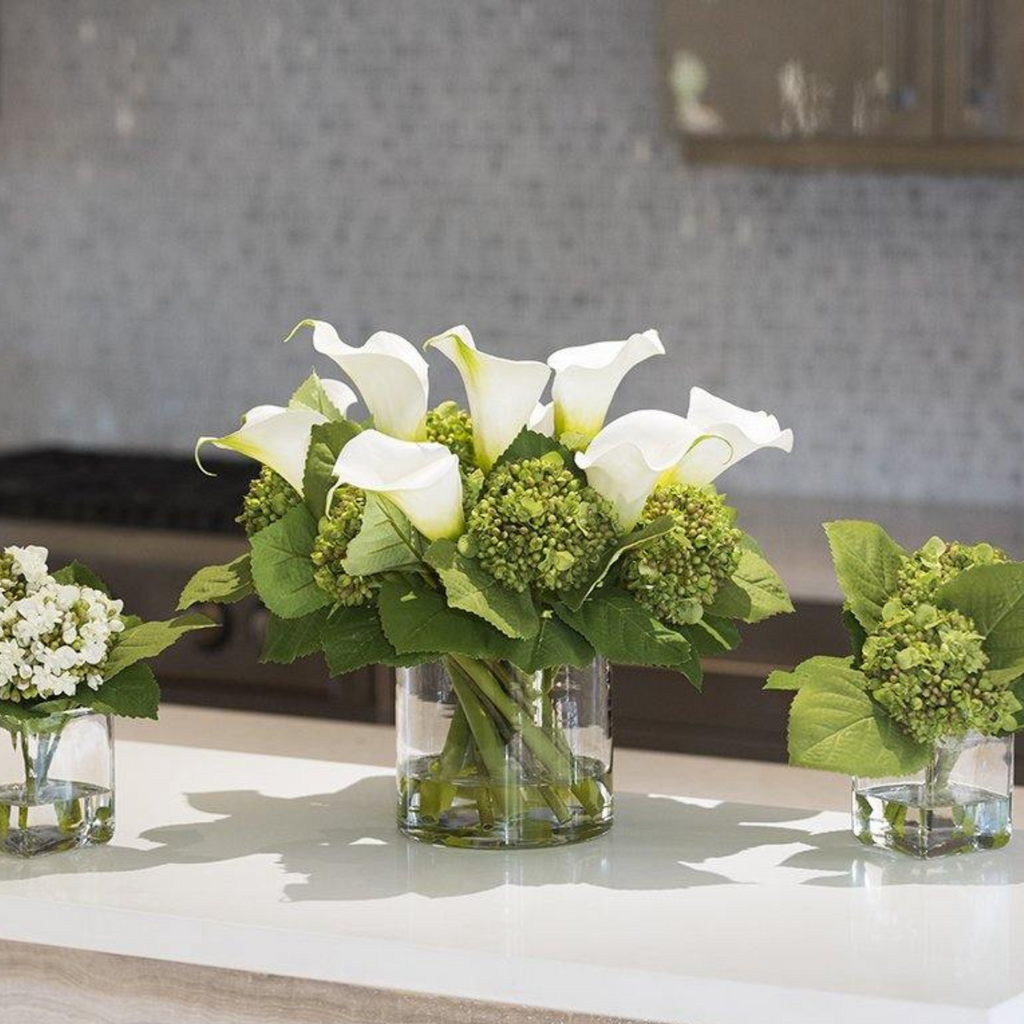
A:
[962,800]
[56,782]
[491,757]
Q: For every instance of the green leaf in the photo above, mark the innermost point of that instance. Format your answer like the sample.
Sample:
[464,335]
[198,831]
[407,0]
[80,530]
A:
[219,584]
[528,444]
[311,394]
[858,634]
[353,638]
[474,590]
[821,667]
[835,726]
[754,593]
[82,576]
[416,618]
[993,597]
[867,561]
[132,693]
[281,566]
[325,443]
[625,632]
[555,644]
[637,539]
[712,636]
[386,541]
[288,639]
[149,639]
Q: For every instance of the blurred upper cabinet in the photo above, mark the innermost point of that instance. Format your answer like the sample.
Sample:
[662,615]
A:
[916,83]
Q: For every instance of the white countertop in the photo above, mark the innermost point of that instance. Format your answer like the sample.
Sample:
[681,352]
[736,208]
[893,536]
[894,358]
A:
[691,910]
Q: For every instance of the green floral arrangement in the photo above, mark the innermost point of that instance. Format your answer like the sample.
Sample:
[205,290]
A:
[938,653]
[507,539]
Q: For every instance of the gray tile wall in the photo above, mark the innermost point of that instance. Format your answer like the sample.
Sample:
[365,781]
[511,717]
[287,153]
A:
[182,180]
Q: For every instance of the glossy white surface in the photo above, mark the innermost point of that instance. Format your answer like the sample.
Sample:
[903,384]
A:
[693,911]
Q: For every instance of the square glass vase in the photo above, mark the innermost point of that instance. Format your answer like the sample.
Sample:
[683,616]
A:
[959,802]
[56,782]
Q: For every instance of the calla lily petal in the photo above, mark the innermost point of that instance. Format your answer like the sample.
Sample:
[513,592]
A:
[542,419]
[744,430]
[421,478]
[276,437]
[388,371]
[502,393]
[630,455]
[587,376]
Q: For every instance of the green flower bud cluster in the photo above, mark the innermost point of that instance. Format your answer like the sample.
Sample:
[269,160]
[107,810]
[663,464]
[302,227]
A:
[451,426]
[536,524]
[334,532]
[677,576]
[925,667]
[13,585]
[269,498]
[937,563]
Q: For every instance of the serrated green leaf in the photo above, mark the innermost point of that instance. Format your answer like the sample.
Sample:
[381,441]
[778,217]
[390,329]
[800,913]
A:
[835,726]
[867,562]
[993,597]
[858,634]
[625,632]
[754,592]
[288,639]
[325,443]
[353,638]
[554,644]
[416,618]
[386,541]
[528,444]
[637,539]
[472,589]
[148,639]
[821,667]
[81,576]
[132,693]
[311,394]
[219,584]
[281,566]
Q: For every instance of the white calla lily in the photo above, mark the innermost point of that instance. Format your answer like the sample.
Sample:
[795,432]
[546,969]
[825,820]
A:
[274,436]
[587,376]
[630,455]
[390,374]
[743,430]
[421,478]
[503,393]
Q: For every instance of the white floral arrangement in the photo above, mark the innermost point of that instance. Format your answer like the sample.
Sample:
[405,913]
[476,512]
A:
[66,643]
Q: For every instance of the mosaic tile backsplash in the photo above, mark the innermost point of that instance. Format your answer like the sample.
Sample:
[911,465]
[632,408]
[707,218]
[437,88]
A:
[181,181]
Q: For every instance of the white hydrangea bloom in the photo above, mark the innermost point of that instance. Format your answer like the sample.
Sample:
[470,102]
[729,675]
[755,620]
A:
[54,637]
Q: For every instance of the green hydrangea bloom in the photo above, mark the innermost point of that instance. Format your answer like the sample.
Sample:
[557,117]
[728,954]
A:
[536,524]
[334,532]
[925,667]
[269,498]
[936,563]
[451,426]
[676,576]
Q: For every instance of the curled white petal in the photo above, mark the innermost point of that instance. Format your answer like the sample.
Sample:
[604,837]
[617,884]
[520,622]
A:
[745,432]
[388,371]
[421,478]
[339,394]
[276,437]
[502,393]
[630,455]
[542,419]
[587,376]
